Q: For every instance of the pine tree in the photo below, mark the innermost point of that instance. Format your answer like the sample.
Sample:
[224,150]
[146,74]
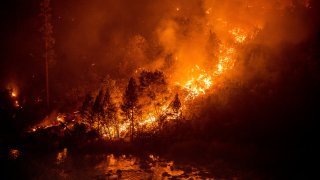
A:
[86,109]
[153,94]
[129,104]
[97,108]
[212,47]
[176,107]
[110,113]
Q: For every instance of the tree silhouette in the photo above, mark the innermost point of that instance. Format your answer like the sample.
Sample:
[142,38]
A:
[86,109]
[110,113]
[98,108]
[176,107]
[153,93]
[212,46]
[129,103]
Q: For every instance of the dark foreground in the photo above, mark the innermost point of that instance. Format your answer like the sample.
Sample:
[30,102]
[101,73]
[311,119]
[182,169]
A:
[65,164]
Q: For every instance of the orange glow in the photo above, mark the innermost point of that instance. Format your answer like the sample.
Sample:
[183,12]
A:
[14,153]
[239,35]
[202,80]
[16,103]
[198,84]
[202,54]
[61,156]
[13,94]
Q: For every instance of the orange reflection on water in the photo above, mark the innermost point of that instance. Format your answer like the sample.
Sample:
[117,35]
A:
[151,167]
[14,153]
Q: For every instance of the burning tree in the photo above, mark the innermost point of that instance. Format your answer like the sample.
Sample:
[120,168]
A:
[176,107]
[98,108]
[86,109]
[110,114]
[212,46]
[130,104]
[153,95]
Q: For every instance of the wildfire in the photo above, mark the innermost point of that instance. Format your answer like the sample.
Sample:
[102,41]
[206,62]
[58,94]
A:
[13,94]
[198,82]
[149,120]
[61,156]
[226,59]
[16,103]
[197,85]
[53,119]
[60,117]
[239,35]
[202,80]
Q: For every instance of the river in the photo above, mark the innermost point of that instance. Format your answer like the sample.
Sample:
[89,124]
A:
[64,164]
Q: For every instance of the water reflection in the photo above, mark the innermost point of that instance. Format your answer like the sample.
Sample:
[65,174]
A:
[14,153]
[66,164]
[152,167]
[62,156]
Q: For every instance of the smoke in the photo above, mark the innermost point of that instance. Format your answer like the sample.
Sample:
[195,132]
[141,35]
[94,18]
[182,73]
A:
[118,37]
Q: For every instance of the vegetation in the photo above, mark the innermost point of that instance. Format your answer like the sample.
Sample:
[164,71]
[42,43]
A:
[262,115]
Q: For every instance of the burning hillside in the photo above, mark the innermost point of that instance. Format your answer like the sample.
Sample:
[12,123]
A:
[196,54]
[204,80]
[155,89]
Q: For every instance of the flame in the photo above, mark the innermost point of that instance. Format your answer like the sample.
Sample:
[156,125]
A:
[149,120]
[62,156]
[202,80]
[13,94]
[52,119]
[198,81]
[60,117]
[239,35]
[197,85]
[16,103]
[226,59]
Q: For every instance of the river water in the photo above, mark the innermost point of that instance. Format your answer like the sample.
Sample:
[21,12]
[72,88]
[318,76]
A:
[66,165]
